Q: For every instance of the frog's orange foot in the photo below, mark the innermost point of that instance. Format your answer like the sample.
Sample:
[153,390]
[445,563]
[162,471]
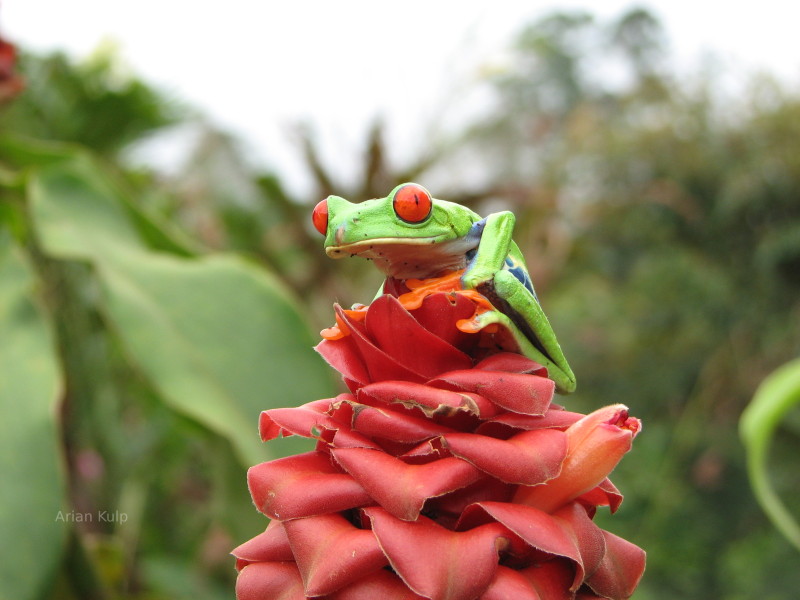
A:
[340,330]
[420,289]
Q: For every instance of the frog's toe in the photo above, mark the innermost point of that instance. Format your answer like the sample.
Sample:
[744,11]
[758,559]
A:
[472,279]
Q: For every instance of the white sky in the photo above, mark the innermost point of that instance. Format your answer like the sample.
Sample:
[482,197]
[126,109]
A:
[256,67]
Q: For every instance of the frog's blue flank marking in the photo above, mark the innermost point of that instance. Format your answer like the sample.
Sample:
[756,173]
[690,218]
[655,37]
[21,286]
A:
[521,274]
[473,239]
[475,232]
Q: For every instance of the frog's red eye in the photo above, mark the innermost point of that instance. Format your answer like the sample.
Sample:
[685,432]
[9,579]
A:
[412,203]
[320,217]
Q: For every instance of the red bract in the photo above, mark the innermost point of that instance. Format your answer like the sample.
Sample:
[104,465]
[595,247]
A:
[11,83]
[444,473]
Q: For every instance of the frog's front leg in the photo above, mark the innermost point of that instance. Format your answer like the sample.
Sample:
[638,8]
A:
[512,295]
[494,244]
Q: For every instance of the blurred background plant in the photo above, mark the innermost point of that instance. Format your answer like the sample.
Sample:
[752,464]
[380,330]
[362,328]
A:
[147,318]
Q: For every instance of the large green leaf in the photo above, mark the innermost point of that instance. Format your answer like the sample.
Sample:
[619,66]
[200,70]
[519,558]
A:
[19,155]
[32,504]
[218,337]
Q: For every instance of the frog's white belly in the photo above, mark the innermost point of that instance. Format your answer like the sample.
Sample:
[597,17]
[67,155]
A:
[404,258]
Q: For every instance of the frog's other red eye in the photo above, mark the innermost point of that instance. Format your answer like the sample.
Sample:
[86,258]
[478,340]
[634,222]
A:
[412,203]
[320,217]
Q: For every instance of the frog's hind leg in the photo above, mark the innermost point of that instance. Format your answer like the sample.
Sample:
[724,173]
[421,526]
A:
[520,304]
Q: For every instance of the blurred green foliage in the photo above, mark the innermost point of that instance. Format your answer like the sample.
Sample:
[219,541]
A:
[134,452]
[95,103]
[661,220]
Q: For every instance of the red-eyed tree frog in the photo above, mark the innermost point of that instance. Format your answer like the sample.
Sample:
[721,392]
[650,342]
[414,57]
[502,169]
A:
[410,235]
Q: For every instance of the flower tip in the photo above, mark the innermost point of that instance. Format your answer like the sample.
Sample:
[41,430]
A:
[611,413]
[632,424]
[618,416]
[613,419]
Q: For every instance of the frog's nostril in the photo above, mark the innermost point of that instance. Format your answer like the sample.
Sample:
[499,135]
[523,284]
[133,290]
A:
[339,235]
[320,217]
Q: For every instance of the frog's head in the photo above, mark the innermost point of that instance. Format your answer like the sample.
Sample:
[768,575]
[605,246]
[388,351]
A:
[408,233]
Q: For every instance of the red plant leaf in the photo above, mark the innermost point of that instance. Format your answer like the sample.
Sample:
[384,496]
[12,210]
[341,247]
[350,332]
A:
[401,488]
[379,364]
[347,438]
[344,356]
[511,362]
[586,594]
[537,528]
[439,313]
[431,401]
[273,580]
[270,546]
[396,425]
[552,419]
[450,506]
[620,570]
[508,584]
[551,579]
[605,494]
[426,452]
[528,458]
[392,328]
[588,538]
[375,586]
[438,563]
[302,420]
[331,552]
[517,392]
[303,485]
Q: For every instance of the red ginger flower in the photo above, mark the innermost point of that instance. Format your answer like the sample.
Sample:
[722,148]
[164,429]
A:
[445,473]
